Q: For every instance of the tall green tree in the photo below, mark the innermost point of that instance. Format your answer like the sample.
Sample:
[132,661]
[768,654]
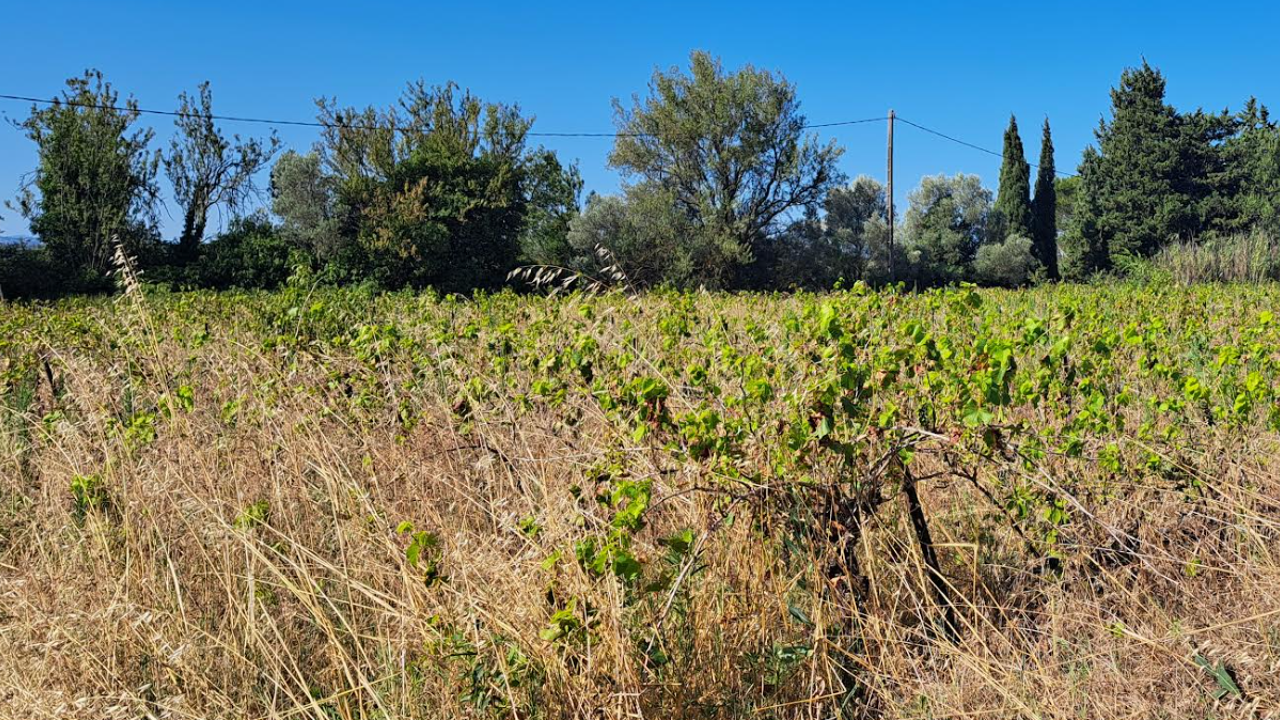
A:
[1093,247]
[1045,208]
[305,198]
[848,243]
[732,150]
[857,227]
[442,189]
[1245,193]
[209,170]
[433,188]
[95,178]
[1141,186]
[552,191]
[946,222]
[1013,197]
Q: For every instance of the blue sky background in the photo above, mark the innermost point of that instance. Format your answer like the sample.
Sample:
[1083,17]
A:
[961,69]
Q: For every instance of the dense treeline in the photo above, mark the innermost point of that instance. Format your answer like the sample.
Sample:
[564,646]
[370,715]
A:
[1157,176]
[723,188]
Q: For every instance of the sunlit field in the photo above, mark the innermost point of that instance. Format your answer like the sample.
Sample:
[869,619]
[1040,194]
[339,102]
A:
[1061,502]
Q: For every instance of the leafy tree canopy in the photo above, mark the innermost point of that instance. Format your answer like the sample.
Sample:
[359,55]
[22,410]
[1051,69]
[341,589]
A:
[945,223]
[438,189]
[209,170]
[731,150]
[95,178]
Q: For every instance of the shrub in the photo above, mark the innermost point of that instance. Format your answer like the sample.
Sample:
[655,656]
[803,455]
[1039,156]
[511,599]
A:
[1006,264]
[650,238]
[27,271]
[31,272]
[250,254]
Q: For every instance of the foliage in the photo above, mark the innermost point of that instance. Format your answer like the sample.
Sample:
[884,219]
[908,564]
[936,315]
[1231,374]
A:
[731,150]
[945,223]
[1159,176]
[726,189]
[250,254]
[1072,245]
[255,514]
[29,271]
[646,235]
[1044,208]
[1012,209]
[1006,264]
[209,170]
[850,242]
[439,190]
[553,192]
[305,199]
[1249,258]
[1139,191]
[88,494]
[95,180]
[1246,185]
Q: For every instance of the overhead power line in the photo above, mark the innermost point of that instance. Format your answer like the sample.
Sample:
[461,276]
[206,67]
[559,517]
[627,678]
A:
[324,125]
[845,122]
[814,126]
[342,126]
[170,113]
[979,148]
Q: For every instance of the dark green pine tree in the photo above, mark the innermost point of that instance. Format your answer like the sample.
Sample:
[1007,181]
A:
[1044,209]
[1142,186]
[1013,200]
[1246,191]
[1095,253]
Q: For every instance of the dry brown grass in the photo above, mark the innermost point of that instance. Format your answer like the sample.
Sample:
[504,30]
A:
[168,599]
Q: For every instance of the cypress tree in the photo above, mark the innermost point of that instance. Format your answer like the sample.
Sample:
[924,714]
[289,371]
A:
[1045,209]
[1013,200]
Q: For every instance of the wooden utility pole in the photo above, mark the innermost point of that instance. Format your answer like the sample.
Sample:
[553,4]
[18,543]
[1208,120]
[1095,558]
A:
[889,198]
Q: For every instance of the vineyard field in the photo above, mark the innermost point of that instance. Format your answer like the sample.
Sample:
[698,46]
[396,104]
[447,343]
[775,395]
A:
[1058,502]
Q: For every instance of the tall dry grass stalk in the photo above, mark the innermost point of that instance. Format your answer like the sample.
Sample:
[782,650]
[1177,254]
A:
[246,557]
[1244,258]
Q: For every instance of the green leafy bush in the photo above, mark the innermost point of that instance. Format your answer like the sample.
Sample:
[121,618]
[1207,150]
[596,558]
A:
[1006,264]
[250,254]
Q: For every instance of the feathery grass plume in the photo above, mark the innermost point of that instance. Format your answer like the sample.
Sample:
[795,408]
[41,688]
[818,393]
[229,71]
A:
[557,279]
[126,270]
[129,278]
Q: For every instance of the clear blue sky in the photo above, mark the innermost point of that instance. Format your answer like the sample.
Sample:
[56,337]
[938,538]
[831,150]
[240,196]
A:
[960,68]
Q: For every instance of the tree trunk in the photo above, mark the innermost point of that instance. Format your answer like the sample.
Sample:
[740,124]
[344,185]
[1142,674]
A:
[192,232]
